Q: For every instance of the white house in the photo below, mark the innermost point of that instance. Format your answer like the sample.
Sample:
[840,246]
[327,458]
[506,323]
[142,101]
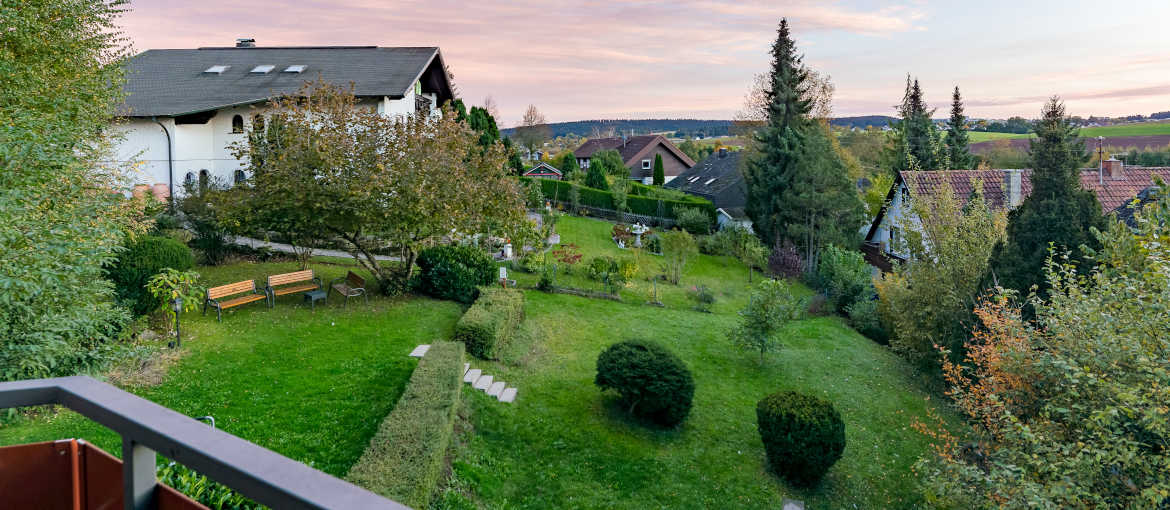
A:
[185,108]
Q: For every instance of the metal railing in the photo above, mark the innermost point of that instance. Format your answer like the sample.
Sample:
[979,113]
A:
[146,428]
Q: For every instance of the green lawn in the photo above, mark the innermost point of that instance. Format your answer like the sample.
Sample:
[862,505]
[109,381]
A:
[1135,129]
[984,136]
[563,444]
[312,386]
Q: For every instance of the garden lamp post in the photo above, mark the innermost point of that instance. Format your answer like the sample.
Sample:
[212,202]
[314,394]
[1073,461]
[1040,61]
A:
[177,306]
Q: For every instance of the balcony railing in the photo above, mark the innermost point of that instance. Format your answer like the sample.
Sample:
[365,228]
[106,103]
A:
[146,428]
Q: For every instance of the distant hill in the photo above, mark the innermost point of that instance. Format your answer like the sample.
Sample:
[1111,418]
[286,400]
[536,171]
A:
[686,128]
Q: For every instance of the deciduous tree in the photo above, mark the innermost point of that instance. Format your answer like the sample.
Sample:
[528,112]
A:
[533,130]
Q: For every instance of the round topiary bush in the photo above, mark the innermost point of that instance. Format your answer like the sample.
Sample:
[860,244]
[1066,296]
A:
[803,435]
[142,259]
[454,272]
[653,383]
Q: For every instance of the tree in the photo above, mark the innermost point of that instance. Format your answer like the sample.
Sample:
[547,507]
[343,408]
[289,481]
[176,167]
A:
[533,130]
[958,141]
[927,301]
[1058,213]
[610,162]
[914,143]
[567,164]
[489,104]
[59,222]
[1068,410]
[771,307]
[659,173]
[443,183]
[514,162]
[677,248]
[798,187]
[595,178]
[754,113]
[483,123]
[690,148]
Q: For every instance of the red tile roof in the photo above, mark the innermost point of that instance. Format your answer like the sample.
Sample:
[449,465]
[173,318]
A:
[630,148]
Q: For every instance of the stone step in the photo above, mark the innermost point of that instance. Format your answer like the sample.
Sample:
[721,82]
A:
[508,395]
[495,389]
[420,351]
[483,382]
[466,367]
[472,375]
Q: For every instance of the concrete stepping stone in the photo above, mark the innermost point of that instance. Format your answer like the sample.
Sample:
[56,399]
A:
[466,367]
[508,395]
[472,375]
[483,382]
[420,351]
[496,388]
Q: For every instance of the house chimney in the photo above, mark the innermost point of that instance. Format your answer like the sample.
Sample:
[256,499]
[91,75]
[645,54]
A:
[245,42]
[723,152]
[1013,188]
[1115,169]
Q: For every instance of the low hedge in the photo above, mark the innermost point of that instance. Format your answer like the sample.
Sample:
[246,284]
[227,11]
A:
[559,191]
[405,459]
[490,322]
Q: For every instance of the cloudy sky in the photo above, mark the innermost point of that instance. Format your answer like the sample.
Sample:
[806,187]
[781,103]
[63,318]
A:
[652,59]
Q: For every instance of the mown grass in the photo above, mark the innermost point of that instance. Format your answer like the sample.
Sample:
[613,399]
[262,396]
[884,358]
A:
[985,136]
[564,444]
[1135,129]
[311,385]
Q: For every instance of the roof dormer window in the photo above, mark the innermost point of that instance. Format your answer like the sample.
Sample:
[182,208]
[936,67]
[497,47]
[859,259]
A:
[298,68]
[216,69]
[264,69]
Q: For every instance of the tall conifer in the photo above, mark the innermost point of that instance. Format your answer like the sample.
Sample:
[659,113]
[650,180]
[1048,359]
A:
[958,140]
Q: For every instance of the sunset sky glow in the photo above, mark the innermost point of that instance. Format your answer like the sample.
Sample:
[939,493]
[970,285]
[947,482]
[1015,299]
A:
[642,59]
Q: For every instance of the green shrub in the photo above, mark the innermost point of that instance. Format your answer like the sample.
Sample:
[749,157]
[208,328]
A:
[652,382]
[601,266]
[864,317]
[844,276]
[405,458]
[642,199]
[803,435]
[703,297]
[142,259]
[491,321]
[454,272]
[693,220]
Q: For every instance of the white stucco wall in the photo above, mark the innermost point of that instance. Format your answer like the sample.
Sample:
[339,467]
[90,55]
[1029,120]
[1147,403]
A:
[897,210]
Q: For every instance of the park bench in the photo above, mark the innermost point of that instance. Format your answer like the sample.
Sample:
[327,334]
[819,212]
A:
[351,285]
[246,291]
[291,283]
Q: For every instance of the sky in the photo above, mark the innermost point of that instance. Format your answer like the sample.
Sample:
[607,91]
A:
[580,60]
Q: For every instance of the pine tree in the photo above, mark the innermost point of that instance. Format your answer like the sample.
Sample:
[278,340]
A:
[914,142]
[659,173]
[568,166]
[1058,212]
[958,140]
[514,161]
[595,177]
[798,186]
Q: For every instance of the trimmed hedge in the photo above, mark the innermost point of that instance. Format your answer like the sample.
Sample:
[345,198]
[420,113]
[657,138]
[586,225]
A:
[803,435]
[491,321]
[638,204]
[454,272]
[405,459]
[142,259]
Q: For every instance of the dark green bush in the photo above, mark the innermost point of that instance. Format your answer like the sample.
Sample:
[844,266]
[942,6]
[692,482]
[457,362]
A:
[454,272]
[803,435]
[693,220]
[491,321]
[405,458]
[653,383]
[844,276]
[142,259]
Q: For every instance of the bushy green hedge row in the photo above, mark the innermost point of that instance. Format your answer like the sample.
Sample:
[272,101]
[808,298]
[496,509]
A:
[638,204]
[405,457]
[142,259]
[454,272]
[490,322]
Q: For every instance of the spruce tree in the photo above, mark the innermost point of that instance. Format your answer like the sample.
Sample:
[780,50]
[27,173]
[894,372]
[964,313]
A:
[914,143]
[798,186]
[568,166]
[659,173]
[958,140]
[595,177]
[1058,212]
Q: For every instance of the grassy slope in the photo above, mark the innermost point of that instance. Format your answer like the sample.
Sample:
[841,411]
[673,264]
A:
[563,444]
[312,386]
[1136,129]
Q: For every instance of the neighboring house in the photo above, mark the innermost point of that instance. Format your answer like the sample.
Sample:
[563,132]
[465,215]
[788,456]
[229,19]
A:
[718,178]
[1115,185]
[638,154]
[185,108]
[544,171]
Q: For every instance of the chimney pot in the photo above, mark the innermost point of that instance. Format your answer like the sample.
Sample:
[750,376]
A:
[722,152]
[1013,188]
[1115,169]
[245,42]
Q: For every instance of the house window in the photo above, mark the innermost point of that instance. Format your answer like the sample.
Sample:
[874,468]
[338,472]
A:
[895,239]
[189,180]
[237,124]
[422,104]
[905,194]
[645,164]
[240,177]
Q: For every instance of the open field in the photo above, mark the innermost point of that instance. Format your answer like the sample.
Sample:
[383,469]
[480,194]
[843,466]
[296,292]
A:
[984,136]
[566,445]
[312,386]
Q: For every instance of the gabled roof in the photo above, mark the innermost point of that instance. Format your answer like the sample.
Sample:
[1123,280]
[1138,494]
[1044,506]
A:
[543,167]
[173,82]
[711,177]
[631,148]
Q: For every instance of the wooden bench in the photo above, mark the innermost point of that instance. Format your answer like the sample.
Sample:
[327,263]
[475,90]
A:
[291,283]
[246,289]
[351,285]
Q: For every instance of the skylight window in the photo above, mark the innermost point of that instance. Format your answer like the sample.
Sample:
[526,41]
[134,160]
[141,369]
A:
[264,69]
[216,69]
[709,181]
[299,68]
[693,179]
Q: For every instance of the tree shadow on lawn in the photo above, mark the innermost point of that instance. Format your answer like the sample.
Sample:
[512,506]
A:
[610,408]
